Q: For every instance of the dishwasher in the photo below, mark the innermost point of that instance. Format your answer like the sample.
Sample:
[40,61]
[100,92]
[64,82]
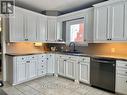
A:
[102,73]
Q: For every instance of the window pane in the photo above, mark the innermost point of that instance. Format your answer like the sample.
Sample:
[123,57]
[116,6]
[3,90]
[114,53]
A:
[77,32]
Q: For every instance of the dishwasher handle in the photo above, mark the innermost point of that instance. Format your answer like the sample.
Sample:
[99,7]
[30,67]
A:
[103,61]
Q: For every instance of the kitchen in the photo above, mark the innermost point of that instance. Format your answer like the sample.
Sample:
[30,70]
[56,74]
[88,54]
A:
[82,47]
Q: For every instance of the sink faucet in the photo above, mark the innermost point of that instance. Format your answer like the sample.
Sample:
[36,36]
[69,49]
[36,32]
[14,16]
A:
[72,44]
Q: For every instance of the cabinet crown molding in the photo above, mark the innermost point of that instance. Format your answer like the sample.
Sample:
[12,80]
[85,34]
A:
[109,2]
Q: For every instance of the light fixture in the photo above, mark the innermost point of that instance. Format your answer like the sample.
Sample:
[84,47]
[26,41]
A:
[38,44]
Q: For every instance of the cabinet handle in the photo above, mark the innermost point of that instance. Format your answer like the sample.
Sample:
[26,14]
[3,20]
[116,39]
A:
[27,61]
[126,65]
[69,57]
[126,81]
[42,60]
[78,62]
[42,66]
[42,71]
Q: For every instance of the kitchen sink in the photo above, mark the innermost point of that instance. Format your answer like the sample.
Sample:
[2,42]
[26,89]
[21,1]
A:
[72,52]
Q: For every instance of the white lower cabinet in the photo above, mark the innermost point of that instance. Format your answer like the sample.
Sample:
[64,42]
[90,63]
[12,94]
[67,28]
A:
[20,71]
[61,66]
[24,68]
[84,69]
[70,68]
[121,77]
[31,67]
[50,63]
[74,67]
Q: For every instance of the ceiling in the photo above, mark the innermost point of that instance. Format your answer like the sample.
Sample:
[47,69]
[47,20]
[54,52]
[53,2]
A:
[59,5]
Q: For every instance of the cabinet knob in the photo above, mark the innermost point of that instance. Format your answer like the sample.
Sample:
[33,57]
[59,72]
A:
[78,62]
[126,81]
[42,60]
[126,65]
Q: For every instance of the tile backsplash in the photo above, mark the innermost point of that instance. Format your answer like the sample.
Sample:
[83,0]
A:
[24,47]
[96,48]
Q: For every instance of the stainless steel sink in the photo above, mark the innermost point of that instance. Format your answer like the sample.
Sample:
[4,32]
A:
[80,54]
[71,52]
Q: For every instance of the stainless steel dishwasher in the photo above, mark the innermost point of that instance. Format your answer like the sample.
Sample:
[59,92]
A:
[102,73]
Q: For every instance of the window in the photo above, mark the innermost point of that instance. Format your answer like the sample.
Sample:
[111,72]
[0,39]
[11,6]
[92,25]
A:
[75,30]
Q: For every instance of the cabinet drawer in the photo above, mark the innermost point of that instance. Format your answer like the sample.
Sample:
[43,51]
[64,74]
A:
[84,59]
[21,58]
[121,84]
[61,56]
[42,72]
[41,66]
[121,64]
[42,56]
[72,57]
[121,71]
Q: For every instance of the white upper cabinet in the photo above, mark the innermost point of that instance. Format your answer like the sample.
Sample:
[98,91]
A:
[41,28]
[125,26]
[16,27]
[51,28]
[117,21]
[30,27]
[27,26]
[101,23]
[109,21]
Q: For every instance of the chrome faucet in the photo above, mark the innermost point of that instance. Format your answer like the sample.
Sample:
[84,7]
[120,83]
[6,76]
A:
[72,44]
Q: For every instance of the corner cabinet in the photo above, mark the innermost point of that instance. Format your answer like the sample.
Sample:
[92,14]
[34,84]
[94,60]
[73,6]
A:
[51,28]
[27,26]
[24,68]
[109,22]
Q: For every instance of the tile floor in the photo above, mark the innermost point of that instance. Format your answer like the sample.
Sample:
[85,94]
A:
[50,85]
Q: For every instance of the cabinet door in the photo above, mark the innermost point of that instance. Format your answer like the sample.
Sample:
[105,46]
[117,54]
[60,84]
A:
[121,84]
[84,72]
[41,28]
[101,24]
[21,71]
[32,69]
[59,32]
[50,64]
[61,66]
[52,28]
[125,26]
[70,68]
[16,26]
[30,32]
[117,22]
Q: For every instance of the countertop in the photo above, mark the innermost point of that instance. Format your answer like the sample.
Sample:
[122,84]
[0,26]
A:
[117,57]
